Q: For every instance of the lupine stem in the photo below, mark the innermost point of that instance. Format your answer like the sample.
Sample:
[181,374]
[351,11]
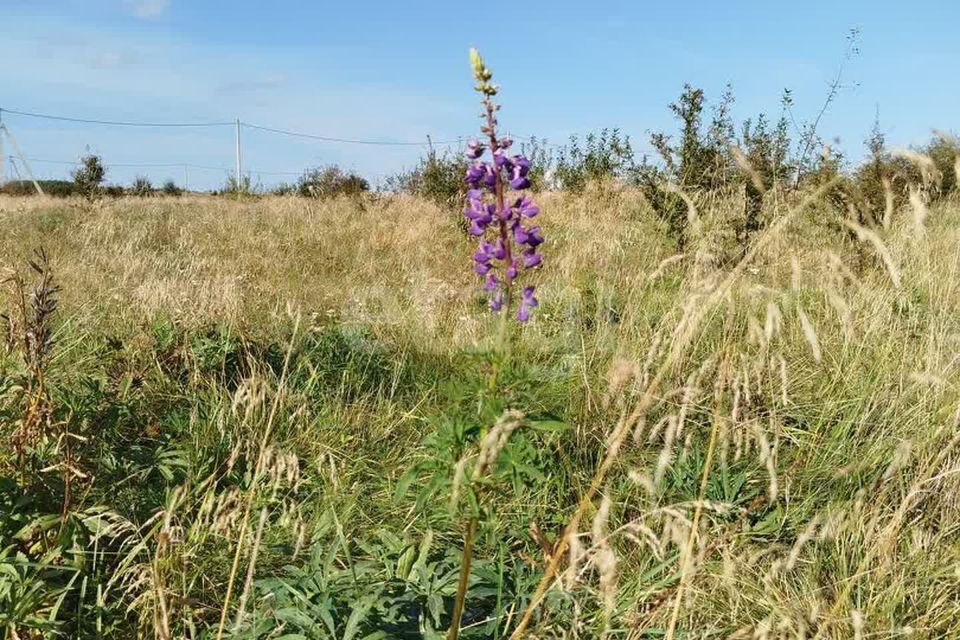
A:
[501,204]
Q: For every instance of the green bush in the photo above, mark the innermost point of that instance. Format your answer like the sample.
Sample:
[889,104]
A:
[56,188]
[601,157]
[170,188]
[284,189]
[704,160]
[437,177]
[141,187]
[89,175]
[329,182]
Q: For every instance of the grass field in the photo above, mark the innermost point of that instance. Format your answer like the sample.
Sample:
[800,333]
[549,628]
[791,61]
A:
[260,415]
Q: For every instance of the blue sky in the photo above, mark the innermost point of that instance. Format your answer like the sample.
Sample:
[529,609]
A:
[390,70]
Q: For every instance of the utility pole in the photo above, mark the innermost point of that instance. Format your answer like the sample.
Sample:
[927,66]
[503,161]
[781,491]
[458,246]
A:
[23,159]
[3,174]
[186,179]
[239,166]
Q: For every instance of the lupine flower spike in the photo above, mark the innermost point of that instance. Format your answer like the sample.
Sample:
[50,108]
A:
[499,218]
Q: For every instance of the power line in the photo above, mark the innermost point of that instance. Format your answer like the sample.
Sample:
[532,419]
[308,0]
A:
[286,132]
[169,165]
[145,165]
[116,123]
[311,136]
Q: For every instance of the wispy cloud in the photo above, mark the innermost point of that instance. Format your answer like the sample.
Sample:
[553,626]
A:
[147,9]
[114,73]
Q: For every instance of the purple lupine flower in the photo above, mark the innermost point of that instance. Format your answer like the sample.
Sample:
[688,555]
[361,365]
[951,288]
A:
[512,271]
[527,302]
[520,234]
[526,207]
[513,245]
[534,239]
[475,173]
[528,298]
[489,176]
[474,149]
[518,179]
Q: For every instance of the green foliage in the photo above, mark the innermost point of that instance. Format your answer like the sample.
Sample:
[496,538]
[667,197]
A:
[56,188]
[704,161]
[944,150]
[242,187]
[766,152]
[89,175]
[600,158]
[698,162]
[170,188]
[437,177]
[284,189]
[330,182]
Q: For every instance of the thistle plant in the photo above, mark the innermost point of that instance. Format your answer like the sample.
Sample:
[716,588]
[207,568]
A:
[498,210]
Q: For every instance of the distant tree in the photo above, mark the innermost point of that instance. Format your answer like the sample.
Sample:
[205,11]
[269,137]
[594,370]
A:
[89,176]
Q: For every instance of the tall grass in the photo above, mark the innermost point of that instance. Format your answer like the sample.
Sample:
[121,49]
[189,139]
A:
[726,441]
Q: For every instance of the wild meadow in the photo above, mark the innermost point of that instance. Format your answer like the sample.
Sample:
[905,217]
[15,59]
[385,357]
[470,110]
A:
[732,412]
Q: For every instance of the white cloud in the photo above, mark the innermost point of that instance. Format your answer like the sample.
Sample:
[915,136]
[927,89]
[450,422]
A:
[147,8]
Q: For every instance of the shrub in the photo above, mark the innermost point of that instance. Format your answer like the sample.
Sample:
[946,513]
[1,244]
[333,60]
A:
[765,154]
[284,189]
[944,150]
[436,177]
[704,160]
[232,186]
[880,172]
[89,175]
[329,182]
[601,157]
[170,188]
[57,188]
[701,160]
[141,187]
